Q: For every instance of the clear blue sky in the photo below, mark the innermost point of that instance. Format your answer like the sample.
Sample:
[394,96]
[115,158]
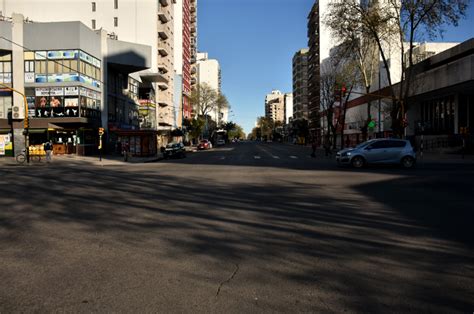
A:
[255,40]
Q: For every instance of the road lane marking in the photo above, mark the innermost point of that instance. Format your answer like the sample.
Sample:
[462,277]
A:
[293,157]
[222,157]
[256,157]
[276,157]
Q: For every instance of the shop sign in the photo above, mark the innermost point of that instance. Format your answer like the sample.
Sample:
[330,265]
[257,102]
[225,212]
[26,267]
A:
[56,91]
[40,55]
[83,91]
[86,57]
[29,77]
[42,91]
[91,94]
[71,91]
[67,77]
[62,54]
[41,78]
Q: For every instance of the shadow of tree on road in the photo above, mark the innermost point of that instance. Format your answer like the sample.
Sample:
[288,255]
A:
[396,245]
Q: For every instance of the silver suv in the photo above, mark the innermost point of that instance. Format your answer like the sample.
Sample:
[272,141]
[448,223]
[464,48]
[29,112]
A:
[378,151]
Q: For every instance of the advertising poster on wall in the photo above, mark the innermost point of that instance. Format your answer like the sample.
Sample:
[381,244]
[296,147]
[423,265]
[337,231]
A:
[6,146]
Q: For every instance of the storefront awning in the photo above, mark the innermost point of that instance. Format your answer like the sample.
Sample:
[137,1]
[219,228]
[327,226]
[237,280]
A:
[37,131]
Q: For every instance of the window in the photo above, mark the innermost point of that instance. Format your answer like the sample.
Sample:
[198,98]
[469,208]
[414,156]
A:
[93,24]
[93,6]
[380,144]
[397,144]
[115,21]
[29,66]
[115,4]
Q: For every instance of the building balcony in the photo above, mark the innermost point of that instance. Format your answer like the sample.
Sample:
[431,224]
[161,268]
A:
[163,17]
[162,68]
[192,8]
[162,31]
[162,50]
[193,29]
[162,85]
[165,3]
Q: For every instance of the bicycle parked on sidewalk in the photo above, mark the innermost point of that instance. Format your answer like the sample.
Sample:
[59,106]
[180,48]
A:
[21,158]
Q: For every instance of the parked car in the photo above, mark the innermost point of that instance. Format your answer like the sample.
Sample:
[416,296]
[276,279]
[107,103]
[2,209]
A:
[175,150]
[204,144]
[378,151]
[220,142]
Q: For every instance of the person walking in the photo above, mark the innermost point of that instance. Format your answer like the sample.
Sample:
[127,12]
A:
[327,147]
[48,148]
[313,148]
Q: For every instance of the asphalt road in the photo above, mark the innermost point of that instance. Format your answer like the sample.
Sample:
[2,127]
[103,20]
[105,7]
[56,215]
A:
[243,228]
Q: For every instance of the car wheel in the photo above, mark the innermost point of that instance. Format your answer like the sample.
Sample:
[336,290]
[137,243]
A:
[408,162]
[358,162]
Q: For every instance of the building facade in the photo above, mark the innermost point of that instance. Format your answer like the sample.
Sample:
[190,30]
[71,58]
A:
[300,85]
[143,22]
[275,106]
[441,102]
[289,104]
[75,80]
[209,72]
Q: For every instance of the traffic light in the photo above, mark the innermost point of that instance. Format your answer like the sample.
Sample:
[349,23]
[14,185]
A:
[343,91]
[101,131]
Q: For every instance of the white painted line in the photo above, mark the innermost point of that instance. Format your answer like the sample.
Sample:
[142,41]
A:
[293,157]
[222,158]
[256,157]
[276,157]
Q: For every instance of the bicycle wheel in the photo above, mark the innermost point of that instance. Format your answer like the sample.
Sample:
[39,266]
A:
[20,158]
[35,158]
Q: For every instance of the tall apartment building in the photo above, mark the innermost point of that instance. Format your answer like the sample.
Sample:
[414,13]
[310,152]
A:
[142,22]
[193,31]
[320,44]
[182,59]
[300,84]
[275,106]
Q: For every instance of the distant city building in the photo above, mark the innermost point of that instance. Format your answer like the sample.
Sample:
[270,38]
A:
[300,84]
[209,72]
[275,106]
[288,99]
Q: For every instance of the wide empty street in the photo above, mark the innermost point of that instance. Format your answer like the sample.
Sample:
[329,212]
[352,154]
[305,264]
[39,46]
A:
[247,227]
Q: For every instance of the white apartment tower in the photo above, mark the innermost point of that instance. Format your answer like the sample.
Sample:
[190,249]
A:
[209,72]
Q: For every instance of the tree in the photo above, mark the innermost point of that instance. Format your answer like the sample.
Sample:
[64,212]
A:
[204,99]
[196,127]
[221,103]
[392,26]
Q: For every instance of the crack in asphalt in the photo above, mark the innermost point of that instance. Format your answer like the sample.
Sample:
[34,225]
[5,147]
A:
[227,280]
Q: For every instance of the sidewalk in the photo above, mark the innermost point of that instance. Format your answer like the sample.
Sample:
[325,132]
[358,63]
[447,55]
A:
[107,160]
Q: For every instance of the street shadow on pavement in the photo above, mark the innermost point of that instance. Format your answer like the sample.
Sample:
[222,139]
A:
[392,245]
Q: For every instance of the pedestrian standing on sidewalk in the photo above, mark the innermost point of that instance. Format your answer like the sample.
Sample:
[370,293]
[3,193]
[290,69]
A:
[125,150]
[48,148]
[313,148]
[327,147]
